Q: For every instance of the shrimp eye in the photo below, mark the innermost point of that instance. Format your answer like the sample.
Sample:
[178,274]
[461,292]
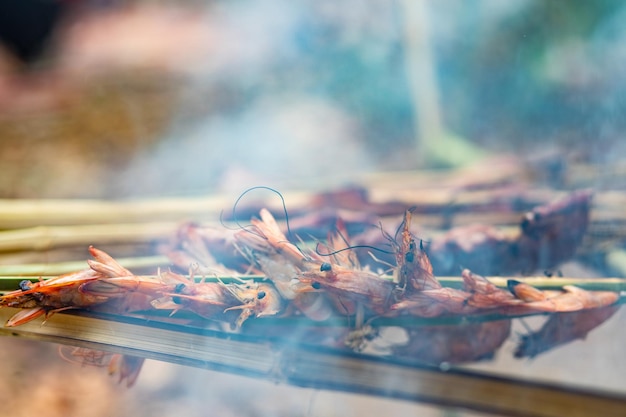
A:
[409,257]
[176,300]
[316,285]
[511,284]
[25,285]
[179,288]
[260,295]
[326,267]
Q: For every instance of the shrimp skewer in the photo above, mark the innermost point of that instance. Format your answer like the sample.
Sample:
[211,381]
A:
[421,294]
[436,302]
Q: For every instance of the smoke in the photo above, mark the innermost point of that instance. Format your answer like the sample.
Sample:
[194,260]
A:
[287,142]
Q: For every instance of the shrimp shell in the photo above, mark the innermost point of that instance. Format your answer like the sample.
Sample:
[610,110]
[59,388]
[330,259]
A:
[365,287]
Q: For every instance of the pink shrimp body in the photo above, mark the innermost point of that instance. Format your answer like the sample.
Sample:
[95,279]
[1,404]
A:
[359,286]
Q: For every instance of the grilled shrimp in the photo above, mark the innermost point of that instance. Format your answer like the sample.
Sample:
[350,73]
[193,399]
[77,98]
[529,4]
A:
[266,237]
[213,299]
[364,287]
[484,294]
[414,271]
[104,281]
[257,299]
[281,261]
[436,302]
[50,296]
[206,299]
[204,247]
[570,299]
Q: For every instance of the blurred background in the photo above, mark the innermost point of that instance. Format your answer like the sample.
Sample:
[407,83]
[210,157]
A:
[125,99]
[130,98]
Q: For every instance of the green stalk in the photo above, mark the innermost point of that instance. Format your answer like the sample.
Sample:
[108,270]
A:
[42,238]
[9,274]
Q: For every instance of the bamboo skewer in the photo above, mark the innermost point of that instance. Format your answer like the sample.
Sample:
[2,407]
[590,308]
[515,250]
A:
[35,212]
[15,214]
[541,282]
[320,368]
[62,223]
[58,268]
[43,238]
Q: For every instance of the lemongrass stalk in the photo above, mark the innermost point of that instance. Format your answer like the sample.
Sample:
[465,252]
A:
[552,283]
[77,253]
[58,268]
[23,213]
[543,283]
[28,213]
[44,238]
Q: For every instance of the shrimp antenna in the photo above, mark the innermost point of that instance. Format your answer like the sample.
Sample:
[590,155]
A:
[262,187]
[350,248]
[240,227]
[344,238]
[387,236]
